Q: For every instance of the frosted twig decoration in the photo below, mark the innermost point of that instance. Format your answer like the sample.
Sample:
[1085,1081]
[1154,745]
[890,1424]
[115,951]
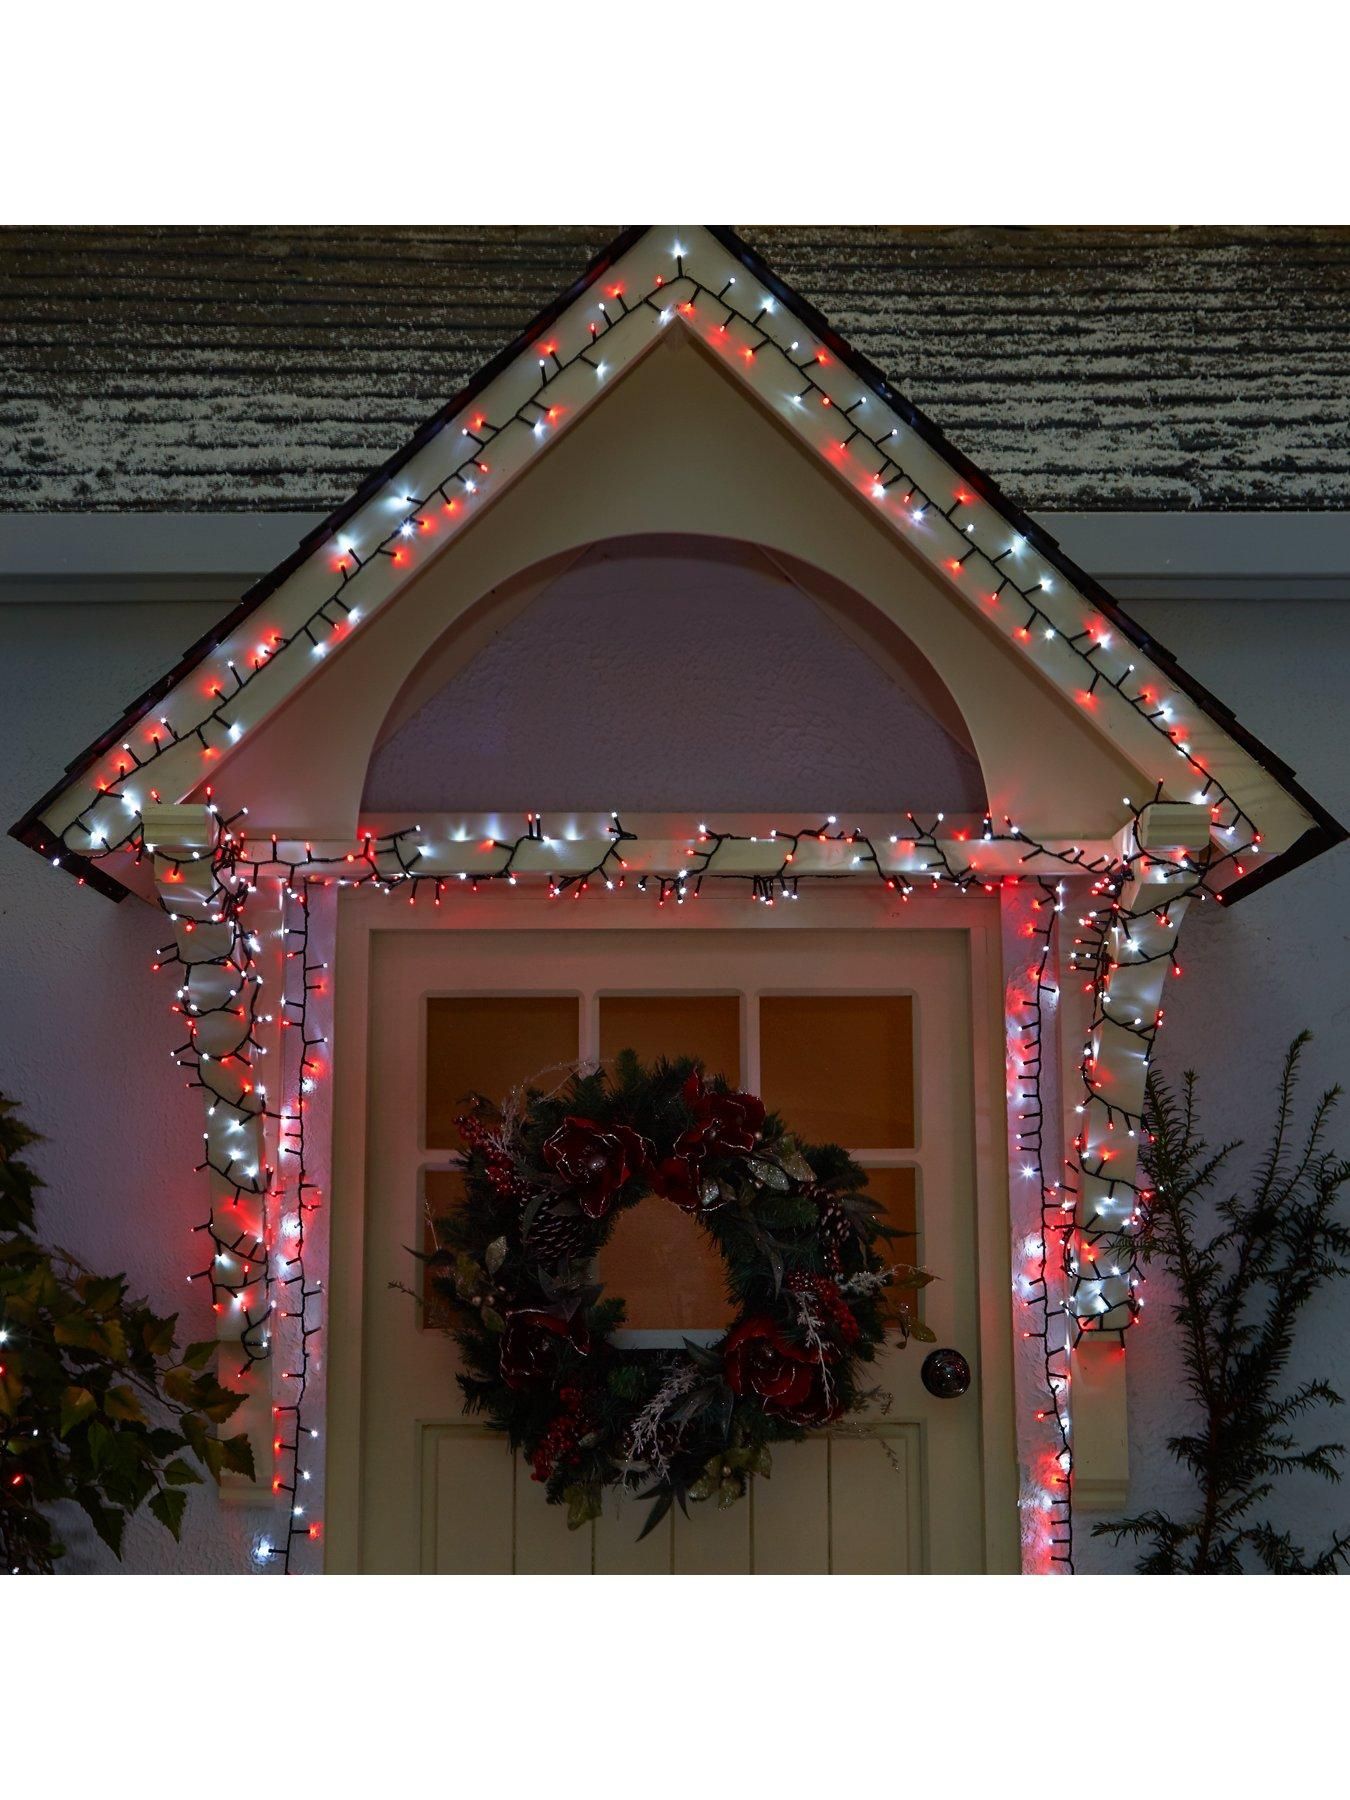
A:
[644,1438]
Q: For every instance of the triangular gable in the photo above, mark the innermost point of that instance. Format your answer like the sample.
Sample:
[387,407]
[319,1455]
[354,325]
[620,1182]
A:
[649,281]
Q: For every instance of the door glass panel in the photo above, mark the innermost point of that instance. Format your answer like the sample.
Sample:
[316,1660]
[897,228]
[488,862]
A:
[705,1026]
[444,1191]
[667,1270]
[662,1263]
[488,1044]
[840,1067]
[895,1193]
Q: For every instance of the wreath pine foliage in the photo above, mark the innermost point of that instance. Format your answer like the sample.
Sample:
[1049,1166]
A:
[546,1177]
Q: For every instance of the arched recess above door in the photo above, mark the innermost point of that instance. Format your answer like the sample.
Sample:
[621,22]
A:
[675,673]
[676,450]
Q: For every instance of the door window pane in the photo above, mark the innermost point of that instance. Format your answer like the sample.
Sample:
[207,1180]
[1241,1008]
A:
[840,1067]
[895,1193]
[659,1259]
[488,1044]
[443,1191]
[667,1270]
[705,1026]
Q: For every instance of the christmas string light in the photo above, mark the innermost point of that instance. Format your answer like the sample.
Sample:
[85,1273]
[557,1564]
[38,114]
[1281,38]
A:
[758,329]
[1056,1225]
[1005,572]
[394,863]
[295,1436]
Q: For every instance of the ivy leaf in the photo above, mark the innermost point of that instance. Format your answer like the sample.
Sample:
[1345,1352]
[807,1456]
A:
[180,1474]
[99,1443]
[78,1333]
[11,1387]
[180,1384]
[223,1406]
[122,1404]
[210,1452]
[237,1455]
[168,1505]
[108,1521]
[76,1405]
[198,1355]
[100,1293]
[157,1335]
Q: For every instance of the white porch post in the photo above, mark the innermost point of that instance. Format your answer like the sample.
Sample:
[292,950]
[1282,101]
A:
[227,1022]
[1163,855]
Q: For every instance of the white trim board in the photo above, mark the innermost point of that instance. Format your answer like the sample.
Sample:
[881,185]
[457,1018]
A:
[1138,555]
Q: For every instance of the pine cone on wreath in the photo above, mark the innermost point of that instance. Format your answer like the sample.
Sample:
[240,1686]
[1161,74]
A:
[554,1238]
[837,1230]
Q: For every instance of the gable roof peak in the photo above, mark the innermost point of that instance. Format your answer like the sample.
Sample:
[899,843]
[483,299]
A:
[841,409]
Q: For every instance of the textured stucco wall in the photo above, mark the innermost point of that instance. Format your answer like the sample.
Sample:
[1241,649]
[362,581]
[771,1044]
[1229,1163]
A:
[86,1032]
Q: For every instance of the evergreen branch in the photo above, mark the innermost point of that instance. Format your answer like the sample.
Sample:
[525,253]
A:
[1240,1291]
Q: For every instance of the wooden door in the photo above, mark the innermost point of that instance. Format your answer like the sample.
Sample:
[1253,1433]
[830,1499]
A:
[861,1036]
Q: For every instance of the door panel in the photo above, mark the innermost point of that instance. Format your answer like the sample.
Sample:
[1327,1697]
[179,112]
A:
[886,1017]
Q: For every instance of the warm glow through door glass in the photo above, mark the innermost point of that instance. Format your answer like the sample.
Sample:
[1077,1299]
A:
[489,1043]
[662,1263]
[840,1067]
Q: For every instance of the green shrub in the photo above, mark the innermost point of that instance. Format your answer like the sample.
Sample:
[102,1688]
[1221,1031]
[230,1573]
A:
[97,1403]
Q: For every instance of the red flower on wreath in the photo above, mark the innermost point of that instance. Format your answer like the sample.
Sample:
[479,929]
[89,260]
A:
[788,1380]
[680,1178]
[725,1125]
[532,1343]
[595,1161]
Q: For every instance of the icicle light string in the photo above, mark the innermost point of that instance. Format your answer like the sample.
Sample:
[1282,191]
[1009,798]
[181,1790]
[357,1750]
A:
[684,294]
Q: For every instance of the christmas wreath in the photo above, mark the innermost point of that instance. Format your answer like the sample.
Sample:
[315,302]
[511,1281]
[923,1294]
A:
[545,1177]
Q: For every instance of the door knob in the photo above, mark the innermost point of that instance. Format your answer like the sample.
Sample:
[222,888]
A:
[945,1373]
